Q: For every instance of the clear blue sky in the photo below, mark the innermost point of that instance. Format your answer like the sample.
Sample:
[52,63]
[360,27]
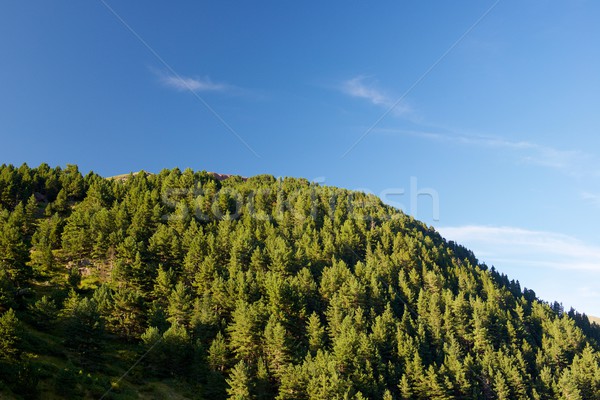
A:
[497,108]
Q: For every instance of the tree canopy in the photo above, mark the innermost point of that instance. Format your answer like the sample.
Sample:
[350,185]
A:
[260,288]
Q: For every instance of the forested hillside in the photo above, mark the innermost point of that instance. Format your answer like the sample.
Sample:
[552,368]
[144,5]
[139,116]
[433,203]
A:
[182,285]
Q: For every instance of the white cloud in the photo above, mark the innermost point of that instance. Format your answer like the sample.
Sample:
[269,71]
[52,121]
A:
[545,156]
[359,87]
[516,246]
[573,162]
[356,87]
[591,198]
[590,292]
[193,84]
[556,266]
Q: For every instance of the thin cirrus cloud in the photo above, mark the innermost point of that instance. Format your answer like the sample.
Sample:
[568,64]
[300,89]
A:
[364,88]
[183,83]
[528,248]
[591,198]
[573,162]
[560,261]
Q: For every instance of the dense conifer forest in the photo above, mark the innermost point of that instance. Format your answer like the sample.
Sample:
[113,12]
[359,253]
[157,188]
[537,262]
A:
[194,285]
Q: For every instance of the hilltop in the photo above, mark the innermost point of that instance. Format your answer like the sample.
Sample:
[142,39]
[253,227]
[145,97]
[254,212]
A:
[186,284]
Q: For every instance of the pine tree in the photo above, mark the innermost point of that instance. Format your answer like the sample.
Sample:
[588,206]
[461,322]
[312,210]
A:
[586,372]
[316,334]
[205,273]
[152,350]
[164,284]
[10,333]
[276,347]
[60,206]
[205,320]
[45,312]
[218,353]
[405,388]
[180,306]
[383,335]
[501,387]
[239,382]
[77,240]
[83,330]
[72,182]
[7,291]
[126,313]
[244,340]
[178,350]
[151,336]
[263,387]
[567,387]
[14,253]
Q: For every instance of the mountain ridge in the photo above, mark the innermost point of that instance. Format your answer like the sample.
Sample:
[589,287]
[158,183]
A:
[260,287]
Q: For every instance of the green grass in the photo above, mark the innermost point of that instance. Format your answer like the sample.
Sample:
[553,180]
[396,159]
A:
[45,351]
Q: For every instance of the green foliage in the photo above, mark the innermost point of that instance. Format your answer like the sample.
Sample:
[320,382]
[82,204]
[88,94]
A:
[178,350]
[125,313]
[316,334]
[239,382]
[13,251]
[244,332]
[73,277]
[168,354]
[180,306]
[218,353]
[276,347]
[261,288]
[44,312]
[83,330]
[10,336]
[7,291]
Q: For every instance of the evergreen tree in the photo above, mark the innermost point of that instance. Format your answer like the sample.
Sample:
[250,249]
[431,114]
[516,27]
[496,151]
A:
[126,316]
[13,253]
[164,284]
[316,334]
[239,382]
[7,291]
[83,330]
[243,335]
[276,347]
[567,387]
[218,353]
[44,312]
[178,350]
[180,306]
[10,336]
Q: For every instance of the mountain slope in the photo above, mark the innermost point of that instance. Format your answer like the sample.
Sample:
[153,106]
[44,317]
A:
[182,284]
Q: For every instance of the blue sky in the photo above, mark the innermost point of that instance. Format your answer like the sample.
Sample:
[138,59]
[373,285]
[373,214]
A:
[482,114]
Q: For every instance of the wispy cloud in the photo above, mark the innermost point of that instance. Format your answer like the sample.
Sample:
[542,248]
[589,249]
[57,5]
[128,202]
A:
[528,248]
[573,162]
[590,292]
[364,88]
[358,88]
[557,266]
[194,84]
[592,198]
